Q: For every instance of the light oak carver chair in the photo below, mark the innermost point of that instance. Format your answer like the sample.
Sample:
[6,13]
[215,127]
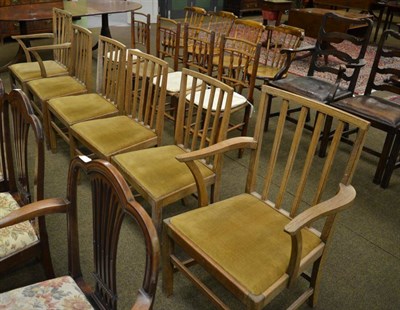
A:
[21,73]
[260,242]
[24,163]
[112,205]
[155,173]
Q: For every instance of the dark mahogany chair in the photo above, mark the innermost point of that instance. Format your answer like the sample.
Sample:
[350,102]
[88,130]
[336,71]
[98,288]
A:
[384,114]
[23,163]
[112,202]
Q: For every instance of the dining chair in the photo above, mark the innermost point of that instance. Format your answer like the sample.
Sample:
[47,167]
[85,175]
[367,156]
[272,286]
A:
[221,22]
[260,242]
[328,59]
[140,31]
[383,113]
[273,61]
[112,205]
[77,82]
[168,34]
[154,172]
[21,73]
[107,101]
[24,163]
[141,125]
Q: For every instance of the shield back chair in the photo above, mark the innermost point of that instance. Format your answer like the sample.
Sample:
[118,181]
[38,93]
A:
[140,31]
[112,205]
[24,159]
[107,101]
[382,113]
[198,45]
[237,67]
[155,174]
[260,242]
[167,40]
[77,82]
[21,73]
[329,59]
[141,125]
[273,62]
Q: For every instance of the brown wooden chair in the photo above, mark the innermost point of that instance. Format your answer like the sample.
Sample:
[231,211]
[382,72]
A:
[328,59]
[112,204]
[168,34]
[221,22]
[21,73]
[23,156]
[273,62]
[382,113]
[77,82]
[141,125]
[260,242]
[194,16]
[140,31]
[155,173]
[108,100]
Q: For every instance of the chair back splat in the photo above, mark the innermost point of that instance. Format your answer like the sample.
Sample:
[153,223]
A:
[261,241]
[140,31]
[167,40]
[112,204]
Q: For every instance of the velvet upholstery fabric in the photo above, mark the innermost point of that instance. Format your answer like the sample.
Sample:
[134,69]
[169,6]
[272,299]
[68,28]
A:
[31,70]
[255,253]
[73,109]
[109,135]
[158,170]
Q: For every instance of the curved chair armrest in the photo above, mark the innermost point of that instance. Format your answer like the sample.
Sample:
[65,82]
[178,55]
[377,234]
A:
[35,209]
[20,39]
[35,52]
[218,148]
[342,200]
[361,63]
[290,53]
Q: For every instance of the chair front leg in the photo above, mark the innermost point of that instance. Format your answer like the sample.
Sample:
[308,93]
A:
[391,162]
[387,146]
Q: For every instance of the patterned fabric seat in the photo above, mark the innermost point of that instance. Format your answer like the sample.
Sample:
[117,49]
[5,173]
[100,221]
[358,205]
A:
[15,237]
[58,293]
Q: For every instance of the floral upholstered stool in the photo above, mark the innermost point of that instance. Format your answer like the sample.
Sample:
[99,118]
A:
[58,293]
[15,237]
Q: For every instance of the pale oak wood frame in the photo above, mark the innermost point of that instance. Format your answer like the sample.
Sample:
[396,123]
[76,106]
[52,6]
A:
[327,209]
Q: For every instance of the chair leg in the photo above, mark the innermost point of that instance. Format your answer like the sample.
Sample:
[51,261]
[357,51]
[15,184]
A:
[314,282]
[45,250]
[325,137]
[391,163]
[387,146]
[156,216]
[246,120]
[167,267]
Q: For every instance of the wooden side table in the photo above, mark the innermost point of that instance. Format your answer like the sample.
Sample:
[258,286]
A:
[273,9]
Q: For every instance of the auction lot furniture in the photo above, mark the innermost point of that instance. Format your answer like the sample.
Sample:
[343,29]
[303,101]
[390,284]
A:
[273,9]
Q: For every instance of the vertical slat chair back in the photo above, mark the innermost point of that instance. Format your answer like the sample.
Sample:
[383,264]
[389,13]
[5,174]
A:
[140,31]
[247,29]
[292,161]
[81,59]
[167,40]
[203,124]
[194,16]
[145,96]
[221,22]
[198,48]
[111,70]
[62,29]
[278,38]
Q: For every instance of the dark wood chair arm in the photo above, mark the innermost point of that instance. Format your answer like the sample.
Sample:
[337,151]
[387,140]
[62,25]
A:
[361,63]
[35,209]
[290,56]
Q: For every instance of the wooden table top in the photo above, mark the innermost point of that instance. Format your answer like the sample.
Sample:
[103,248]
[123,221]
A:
[42,11]
[321,11]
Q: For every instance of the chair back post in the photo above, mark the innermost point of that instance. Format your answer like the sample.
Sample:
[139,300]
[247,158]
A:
[390,83]
[140,30]
[111,71]
[62,30]
[4,175]
[112,201]
[324,48]
[167,40]
[81,60]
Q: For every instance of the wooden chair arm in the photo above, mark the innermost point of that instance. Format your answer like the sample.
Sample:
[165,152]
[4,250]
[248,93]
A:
[219,148]
[20,39]
[35,209]
[342,200]
[290,53]
[35,52]
[361,63]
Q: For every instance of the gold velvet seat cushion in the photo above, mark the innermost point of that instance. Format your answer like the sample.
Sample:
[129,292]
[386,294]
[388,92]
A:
[245,237]
[311,87]
[58,86]
[73,109]
[30,70]
[111,135]
[16,237]
[157,170]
